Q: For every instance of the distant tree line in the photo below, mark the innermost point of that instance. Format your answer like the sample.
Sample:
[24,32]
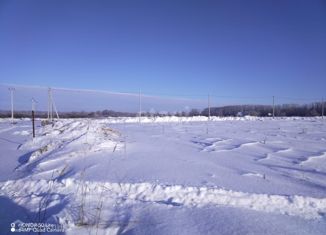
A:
[287,110]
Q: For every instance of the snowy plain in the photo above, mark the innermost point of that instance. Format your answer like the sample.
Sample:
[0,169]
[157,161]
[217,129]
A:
[171,175]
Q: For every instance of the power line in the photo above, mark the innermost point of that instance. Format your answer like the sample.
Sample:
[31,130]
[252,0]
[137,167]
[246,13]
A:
[153,95]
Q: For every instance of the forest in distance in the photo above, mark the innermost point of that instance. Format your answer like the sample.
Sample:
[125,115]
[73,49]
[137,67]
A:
[285,110]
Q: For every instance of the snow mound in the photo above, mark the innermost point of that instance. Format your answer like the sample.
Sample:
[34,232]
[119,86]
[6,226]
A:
[173,195]
[54,145]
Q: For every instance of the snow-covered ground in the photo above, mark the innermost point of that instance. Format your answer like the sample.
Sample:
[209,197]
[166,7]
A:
[166,175]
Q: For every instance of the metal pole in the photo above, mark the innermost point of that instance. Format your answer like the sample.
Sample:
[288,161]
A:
[54,107]
[51,105]
[273,107]
[139,105]
[209,107]
[49,90]
[322,108]
[12,105]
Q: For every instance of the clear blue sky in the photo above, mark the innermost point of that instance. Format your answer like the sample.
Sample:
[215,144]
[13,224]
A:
[240,48]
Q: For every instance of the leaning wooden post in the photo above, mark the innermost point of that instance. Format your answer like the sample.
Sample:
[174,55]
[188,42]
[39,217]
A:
[33,117]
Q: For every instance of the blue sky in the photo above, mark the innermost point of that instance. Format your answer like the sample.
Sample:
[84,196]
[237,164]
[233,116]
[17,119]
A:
[227,48]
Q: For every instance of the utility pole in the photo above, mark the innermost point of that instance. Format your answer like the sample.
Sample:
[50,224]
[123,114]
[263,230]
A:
[11,89]
[33,116]
[49,103]
[51,107]
[209,107]
[273,107]
[139,105]
[322,108]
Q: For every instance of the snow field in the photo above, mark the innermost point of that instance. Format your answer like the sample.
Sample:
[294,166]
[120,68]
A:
[99,176]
